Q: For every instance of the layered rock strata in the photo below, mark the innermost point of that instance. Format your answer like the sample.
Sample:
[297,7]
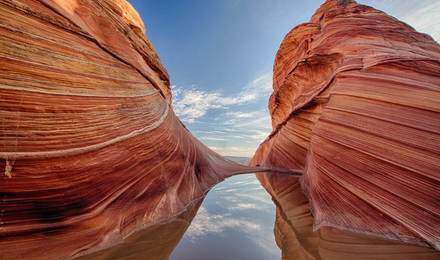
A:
[355,104]
[91,149]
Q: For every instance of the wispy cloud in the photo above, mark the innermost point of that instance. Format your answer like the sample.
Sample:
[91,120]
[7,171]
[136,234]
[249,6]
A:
[239,115]
[206,223]
[423,15]
[234,150]
[225,214]
[235,132]
[246,206]
[261,200]
[212,138]
[240,132]
[258,121]
[232,124]
[425,19]
[193,103]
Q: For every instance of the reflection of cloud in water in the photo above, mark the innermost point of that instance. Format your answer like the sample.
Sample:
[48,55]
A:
[206,223]
[258,198]
[244,206]
[237,213]
[230,199]
[232,185]
[230,190]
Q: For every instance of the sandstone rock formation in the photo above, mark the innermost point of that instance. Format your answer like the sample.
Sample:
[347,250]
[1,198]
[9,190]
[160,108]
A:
[355,103]
[93,154]
[91,149]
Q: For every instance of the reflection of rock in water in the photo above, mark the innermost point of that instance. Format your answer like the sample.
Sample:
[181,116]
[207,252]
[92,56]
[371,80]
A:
[355,104]
[155,242]
[295,236]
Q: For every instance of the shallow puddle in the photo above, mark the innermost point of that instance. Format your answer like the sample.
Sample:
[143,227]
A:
[235,221]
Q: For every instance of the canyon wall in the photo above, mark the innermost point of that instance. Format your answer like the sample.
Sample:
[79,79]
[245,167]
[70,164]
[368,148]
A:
[91,151]
[355,103]
[94,156]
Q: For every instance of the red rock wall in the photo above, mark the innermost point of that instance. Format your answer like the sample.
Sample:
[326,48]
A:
[91,149]
[356,105]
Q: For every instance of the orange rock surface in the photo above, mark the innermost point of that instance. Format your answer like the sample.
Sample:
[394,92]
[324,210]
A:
[355,103]
[93,154]
[91,149]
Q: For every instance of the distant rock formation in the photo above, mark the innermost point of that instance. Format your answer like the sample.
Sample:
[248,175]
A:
[91,149]
[355,103]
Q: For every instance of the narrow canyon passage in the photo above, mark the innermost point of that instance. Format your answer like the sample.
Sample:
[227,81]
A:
[98,165]
[235,221]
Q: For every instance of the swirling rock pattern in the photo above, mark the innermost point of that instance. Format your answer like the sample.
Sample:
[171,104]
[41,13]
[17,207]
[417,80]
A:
[355,104]
[91,149]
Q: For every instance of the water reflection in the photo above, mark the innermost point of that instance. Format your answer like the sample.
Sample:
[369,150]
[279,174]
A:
[235,221]
[153,243]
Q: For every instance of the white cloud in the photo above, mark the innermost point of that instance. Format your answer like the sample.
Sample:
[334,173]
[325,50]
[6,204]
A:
[240,121]
[241,131]
[212,132]
[260,199]
[233,150]
[245,206]
[257,120]
[425,19]
[256,125]
[191,104]
[259,87]
[212,138]
[423,15]
[238,115]
[205,223]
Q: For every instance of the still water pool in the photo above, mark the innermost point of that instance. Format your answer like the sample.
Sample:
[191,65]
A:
[234,222]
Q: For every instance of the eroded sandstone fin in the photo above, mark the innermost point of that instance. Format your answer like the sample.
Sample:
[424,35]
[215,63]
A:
[355,103]
[86,113]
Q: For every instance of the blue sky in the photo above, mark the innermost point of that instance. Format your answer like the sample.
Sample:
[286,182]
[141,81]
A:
[219,54]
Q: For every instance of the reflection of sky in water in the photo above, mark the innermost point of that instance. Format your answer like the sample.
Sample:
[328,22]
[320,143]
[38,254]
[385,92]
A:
[235,222]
